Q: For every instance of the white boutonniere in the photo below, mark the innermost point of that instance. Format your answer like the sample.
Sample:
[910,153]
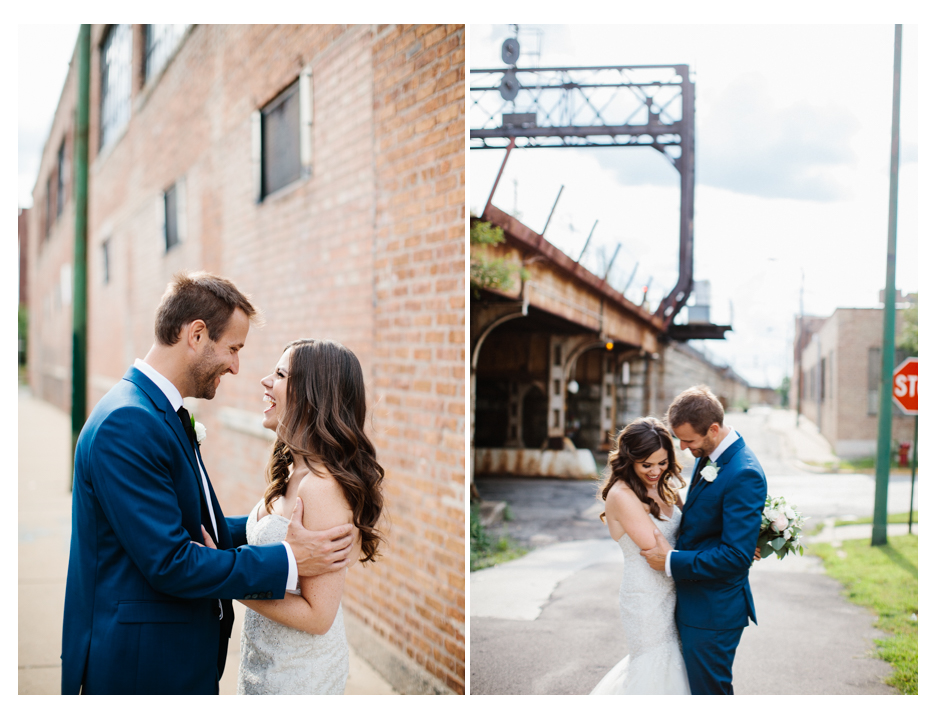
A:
[200,431]
[710,472]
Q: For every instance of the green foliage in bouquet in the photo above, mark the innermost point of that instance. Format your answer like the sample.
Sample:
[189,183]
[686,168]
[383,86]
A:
[781,529]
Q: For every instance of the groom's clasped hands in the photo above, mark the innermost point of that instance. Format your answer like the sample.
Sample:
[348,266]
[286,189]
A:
[316,551]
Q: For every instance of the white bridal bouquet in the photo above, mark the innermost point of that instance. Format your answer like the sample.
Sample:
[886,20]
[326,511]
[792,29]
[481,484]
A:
[780,529]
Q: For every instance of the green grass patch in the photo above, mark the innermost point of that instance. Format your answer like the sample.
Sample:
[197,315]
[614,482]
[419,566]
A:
[861,465]
[487,550]
[898,518]
[884,579]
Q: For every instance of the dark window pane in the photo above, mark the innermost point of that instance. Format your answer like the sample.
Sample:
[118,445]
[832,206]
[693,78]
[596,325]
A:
[60,181]
[172,218]
[874,379]
[116,51]
[48,207]
[282,161]
[105,258]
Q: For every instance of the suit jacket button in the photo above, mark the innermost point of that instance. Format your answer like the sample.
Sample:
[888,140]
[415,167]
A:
[269,594]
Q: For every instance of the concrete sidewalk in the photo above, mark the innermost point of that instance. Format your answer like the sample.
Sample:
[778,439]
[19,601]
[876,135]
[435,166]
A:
[43,545]
[548,623]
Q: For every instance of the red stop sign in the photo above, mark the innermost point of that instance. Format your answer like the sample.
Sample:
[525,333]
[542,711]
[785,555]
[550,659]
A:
[905,386]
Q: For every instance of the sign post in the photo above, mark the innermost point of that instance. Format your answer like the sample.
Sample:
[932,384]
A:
[905,393]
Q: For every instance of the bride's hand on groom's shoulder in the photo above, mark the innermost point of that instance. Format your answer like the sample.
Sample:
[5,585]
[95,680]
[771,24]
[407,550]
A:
[320,551]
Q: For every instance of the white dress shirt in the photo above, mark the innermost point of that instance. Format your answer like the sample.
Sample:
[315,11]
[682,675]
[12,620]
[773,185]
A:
[716,453]
[175,399]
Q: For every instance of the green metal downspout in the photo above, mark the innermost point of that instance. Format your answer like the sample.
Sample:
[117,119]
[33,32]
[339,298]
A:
[79,404]
[882,466]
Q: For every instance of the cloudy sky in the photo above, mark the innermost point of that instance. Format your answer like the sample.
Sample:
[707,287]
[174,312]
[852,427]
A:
[793,128]
[43,54]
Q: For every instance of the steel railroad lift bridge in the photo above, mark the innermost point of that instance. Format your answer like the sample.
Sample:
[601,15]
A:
[560,363]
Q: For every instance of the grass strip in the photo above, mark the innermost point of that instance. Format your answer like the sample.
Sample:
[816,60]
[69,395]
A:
[893,518]
[884,579]
[487,550]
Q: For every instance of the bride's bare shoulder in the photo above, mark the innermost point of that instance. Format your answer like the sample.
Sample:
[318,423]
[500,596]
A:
[323,500]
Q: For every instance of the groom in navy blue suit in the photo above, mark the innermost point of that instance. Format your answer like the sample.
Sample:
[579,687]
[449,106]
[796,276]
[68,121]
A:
[717,539]
[147,610]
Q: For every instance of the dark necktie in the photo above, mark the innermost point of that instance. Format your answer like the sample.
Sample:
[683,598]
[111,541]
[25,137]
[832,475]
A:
[697,475]
[187,424]
[190,431]
[226,607]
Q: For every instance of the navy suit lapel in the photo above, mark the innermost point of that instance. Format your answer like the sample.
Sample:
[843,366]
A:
[693,490]
[722,462]
[223,539]
[159,399]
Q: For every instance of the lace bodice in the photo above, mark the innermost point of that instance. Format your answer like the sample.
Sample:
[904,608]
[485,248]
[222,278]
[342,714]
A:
[280,660]
[646,593]
[647,600]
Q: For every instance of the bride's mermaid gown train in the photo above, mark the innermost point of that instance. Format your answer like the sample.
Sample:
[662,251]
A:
[280,660]
[648,602]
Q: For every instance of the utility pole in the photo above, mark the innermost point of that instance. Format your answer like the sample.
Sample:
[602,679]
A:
[79,395]
[799,349]
[882,466]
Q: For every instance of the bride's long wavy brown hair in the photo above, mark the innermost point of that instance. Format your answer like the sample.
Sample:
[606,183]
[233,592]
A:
[634,444]
[323,422]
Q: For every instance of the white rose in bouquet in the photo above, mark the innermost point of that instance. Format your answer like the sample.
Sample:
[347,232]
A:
[780,529]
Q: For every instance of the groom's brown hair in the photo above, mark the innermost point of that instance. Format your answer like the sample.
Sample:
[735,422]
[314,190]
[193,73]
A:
[199,296]
[697,406]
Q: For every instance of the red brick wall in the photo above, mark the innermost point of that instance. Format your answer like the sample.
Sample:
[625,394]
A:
[419,372]
[368,250]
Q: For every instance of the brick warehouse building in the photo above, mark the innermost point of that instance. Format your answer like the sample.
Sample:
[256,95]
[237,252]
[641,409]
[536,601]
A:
[321,168]
[841,366]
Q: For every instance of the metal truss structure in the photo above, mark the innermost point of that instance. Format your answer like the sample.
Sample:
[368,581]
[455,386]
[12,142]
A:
[604,106]
[580,107]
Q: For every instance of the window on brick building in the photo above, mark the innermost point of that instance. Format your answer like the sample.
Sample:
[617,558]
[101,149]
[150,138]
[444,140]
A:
[161,41]
[874,380]
[831,369]
[173,212]
[60,181]
[282,138]
[116,55]
[822,379]
[48,207]
[106,260]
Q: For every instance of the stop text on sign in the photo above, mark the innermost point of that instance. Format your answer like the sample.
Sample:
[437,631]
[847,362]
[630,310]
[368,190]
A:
[906,386]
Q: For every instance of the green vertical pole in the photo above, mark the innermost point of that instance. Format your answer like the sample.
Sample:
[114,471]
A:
[882,468]
[79,405]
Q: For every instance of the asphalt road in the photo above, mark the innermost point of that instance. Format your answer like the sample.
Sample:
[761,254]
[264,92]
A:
[548,622]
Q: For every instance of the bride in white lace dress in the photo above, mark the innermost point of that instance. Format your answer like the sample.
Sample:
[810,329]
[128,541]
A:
[323,459]
[640,495]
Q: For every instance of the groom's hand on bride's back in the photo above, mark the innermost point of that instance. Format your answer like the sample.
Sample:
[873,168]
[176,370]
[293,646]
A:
[322,551]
